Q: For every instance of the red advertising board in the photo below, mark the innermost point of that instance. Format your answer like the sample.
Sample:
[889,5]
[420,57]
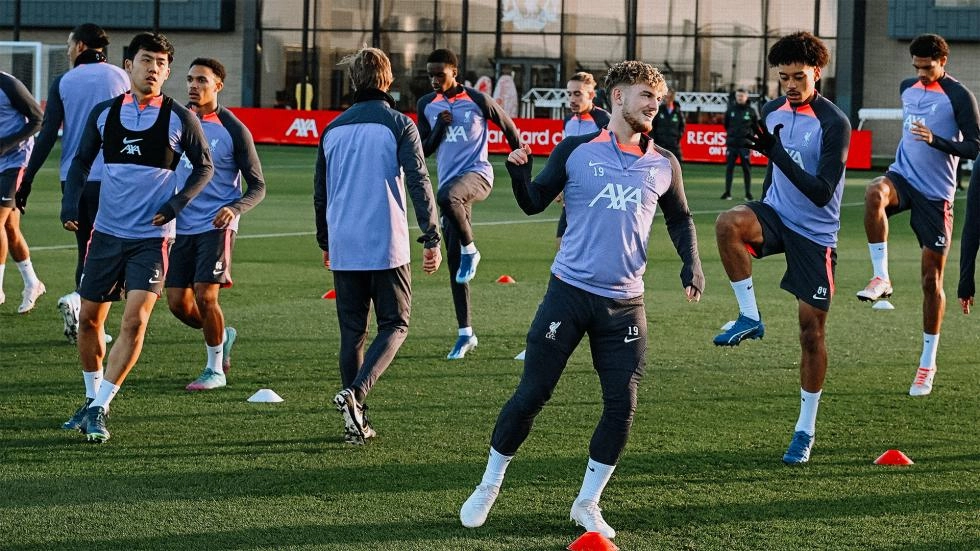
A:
[702,142]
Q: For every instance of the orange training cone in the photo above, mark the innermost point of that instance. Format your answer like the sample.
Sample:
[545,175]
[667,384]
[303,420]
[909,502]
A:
[506,280]
[592,541]
[331,294]
[893,457]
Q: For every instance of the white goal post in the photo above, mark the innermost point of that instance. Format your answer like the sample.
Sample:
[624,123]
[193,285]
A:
[25,60]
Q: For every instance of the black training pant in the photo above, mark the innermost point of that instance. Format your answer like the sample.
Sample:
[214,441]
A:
[617,330]
[390,291]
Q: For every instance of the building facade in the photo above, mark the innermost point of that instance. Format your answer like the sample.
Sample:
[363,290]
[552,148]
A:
[285,53]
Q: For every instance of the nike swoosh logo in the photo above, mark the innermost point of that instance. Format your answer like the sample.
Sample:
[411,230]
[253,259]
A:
[155,280]
[627,339]
[939,244]
[817,297]
[127,141]
[217,272]
[591,163]
[5,198]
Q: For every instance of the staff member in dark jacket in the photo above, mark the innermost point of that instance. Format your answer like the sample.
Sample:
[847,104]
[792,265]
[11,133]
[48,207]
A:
[740,119]
[668,125]
[367,157]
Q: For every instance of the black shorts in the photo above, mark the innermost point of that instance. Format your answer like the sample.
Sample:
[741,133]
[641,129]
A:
[114,265]
[201,258]
[810,267]
[931,219]
[9,181]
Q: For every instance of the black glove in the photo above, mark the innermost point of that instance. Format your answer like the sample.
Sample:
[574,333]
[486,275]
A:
[23,191]
[761,140]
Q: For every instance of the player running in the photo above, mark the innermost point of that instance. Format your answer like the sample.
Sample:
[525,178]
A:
[20,118]
[200,260]
[142,135]
[453,123]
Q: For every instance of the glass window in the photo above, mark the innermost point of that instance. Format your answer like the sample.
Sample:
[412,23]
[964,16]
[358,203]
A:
[672,55]
[592,54]
[730,63]
[338,14]
[727,18]
[589,16]
[828,18]
[419,15]
[786,18]
[483,15]
[665,16]
[283,14]
[479,57]
[530,45]
[536,16]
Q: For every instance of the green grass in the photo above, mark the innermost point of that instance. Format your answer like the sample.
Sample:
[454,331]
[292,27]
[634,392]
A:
[702,469]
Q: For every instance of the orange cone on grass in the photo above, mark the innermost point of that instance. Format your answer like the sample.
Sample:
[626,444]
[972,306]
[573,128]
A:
[506,280]
[893,457]
[592,541]
[331,294]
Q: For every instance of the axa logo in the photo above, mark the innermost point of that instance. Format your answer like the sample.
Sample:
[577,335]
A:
[619,196]
[303,128]
[454,133]
[796,156]
[910,120]
[131,146]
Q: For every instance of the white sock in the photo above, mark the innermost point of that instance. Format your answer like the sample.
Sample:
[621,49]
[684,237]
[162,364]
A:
[3,268]
[930,345]
[496,467]
[879,259]
[465,331]
[27,273]
[468,249]
[93,380]
[745,295]
[596,476]
[216,356]
[107,391]
[809,402]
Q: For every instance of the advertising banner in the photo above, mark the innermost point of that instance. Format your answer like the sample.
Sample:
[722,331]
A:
[703,143]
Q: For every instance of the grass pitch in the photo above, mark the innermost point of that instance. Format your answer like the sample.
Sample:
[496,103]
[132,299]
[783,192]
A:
[702,469]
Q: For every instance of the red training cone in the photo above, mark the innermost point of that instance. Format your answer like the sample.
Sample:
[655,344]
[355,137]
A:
[893,457]
[592,541]
[331,294]
[506,280]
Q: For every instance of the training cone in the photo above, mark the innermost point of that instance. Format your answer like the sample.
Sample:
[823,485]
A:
[592,541]
[883,305]
[893,457]
[265,395]
[331,294]
[521,355]
[506,280]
